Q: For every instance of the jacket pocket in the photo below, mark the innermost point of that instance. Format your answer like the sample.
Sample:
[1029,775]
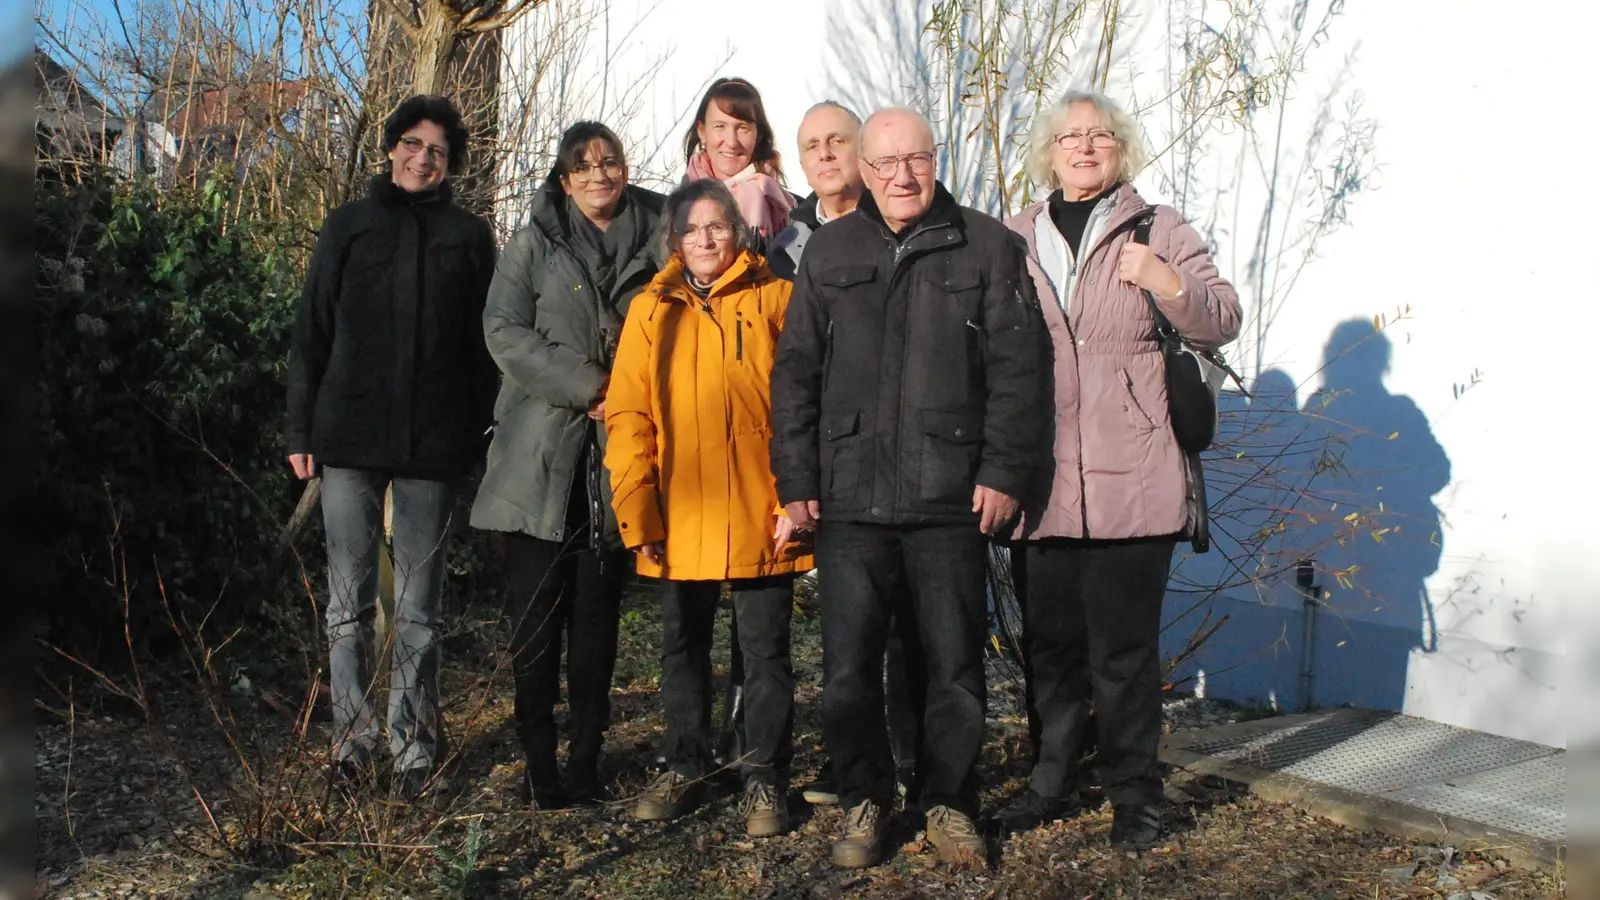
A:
[952,443]
[841,439]
[1138,414]
[848,276]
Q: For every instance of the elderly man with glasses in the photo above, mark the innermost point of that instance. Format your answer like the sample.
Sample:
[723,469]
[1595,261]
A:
[907,425]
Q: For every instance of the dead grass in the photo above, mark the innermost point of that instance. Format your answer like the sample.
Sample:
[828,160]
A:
[115,819]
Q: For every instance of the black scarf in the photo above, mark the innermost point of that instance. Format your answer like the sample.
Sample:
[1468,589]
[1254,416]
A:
[605,252]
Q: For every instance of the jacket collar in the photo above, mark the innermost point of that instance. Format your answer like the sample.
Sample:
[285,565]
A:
[1128,207]
[383,189]
[941,212]
[805,212]
[671,283]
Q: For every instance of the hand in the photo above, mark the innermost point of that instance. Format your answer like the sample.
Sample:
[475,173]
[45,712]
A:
[1139,265]
[655,551]
[782,531]
[995,509]
[597,412]
[304,466]
[803,513]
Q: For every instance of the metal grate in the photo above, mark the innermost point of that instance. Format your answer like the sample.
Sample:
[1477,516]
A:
[1500,782]
[1528,797]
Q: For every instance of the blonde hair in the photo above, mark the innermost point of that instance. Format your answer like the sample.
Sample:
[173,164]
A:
[1046,125]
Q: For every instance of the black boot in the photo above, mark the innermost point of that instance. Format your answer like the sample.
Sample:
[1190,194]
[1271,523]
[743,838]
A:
[1136,827]
[584,787]
[1028,811]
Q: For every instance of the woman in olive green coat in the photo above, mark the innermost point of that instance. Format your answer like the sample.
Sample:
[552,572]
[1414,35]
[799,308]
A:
[559,297]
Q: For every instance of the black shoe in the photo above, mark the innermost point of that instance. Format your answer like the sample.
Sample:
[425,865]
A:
[415,783]
[543,794]
[586,790]
[823,791]
[1027,811]
[1136,827]
[351,774]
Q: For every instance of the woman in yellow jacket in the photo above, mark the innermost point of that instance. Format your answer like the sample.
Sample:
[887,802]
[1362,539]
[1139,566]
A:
[688,417]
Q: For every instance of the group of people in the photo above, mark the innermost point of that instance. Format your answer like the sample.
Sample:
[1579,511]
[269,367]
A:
[729,386]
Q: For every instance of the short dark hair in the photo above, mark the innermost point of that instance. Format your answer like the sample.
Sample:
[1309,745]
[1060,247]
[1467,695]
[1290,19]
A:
[740,99]
[575,140]
[438,110]
[675,212]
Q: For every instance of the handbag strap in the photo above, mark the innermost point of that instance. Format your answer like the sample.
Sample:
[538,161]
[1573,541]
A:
[1164,329]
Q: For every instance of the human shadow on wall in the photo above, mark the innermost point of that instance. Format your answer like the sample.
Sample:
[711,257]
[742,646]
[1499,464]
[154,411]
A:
[1377,535]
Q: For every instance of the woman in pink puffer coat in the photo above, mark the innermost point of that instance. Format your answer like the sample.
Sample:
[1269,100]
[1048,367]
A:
[1099,539]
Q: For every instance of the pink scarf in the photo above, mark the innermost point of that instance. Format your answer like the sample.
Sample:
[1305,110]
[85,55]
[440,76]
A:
[762,201]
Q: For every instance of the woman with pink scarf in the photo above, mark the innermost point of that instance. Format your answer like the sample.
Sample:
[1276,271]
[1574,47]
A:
[731,141]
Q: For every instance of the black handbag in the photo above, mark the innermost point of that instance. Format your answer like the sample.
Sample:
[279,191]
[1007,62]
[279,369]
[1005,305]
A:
[1194,378]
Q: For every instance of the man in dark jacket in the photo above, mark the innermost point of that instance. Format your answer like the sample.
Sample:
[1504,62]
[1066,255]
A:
[828,138]
[906,420]
[391,388]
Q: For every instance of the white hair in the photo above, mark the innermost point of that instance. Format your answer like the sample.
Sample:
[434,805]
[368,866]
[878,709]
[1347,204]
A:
[887,111]
[1047,124]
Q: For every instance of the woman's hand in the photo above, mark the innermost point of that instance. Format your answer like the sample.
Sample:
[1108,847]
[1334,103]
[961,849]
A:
[597,409]
[303,465]
[782,531]
[1139,265]
[655,551]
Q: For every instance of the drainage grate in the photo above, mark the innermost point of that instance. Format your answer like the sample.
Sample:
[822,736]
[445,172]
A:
[1504,783]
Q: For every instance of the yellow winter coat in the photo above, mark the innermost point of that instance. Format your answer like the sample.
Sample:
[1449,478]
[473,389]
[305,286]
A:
[688,418]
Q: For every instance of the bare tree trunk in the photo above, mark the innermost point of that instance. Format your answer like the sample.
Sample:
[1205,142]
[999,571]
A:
[436,44]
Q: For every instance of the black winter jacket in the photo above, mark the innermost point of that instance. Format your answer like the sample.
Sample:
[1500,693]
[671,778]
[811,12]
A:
[910,371]
[387,367]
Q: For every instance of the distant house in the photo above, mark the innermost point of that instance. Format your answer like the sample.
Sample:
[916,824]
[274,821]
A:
[74,128]
[182,132]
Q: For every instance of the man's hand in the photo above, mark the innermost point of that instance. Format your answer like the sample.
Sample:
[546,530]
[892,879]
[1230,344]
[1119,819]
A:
[303,465]
[597,412]
[782,531]
[995,509]
[655,551]
[804,514]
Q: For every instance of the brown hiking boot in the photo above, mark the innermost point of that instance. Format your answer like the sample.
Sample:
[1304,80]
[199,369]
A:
[664,798]
[958,842]
[862,843]
[764,810]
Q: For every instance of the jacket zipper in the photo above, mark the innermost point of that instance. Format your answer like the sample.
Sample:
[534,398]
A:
[1072,336]
[738,337]
[827,357]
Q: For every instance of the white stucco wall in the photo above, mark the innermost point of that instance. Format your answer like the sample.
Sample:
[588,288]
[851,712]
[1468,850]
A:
[1462,235]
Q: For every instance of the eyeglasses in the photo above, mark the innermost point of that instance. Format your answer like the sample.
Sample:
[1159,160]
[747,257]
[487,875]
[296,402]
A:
[415,145]
[1100,140]
[719,231]
[921,163]
[586,171]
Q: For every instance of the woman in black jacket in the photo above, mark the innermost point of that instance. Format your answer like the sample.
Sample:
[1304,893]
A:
[390,389]
[557,304]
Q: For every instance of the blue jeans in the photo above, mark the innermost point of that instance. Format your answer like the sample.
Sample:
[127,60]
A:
[352,515]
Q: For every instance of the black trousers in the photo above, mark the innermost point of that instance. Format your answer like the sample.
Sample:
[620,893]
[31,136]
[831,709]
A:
[553,588]
[762,610]
[930,580]
[1091,615]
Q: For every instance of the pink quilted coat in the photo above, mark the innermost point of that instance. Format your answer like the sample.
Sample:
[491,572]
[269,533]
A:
[1118,470]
